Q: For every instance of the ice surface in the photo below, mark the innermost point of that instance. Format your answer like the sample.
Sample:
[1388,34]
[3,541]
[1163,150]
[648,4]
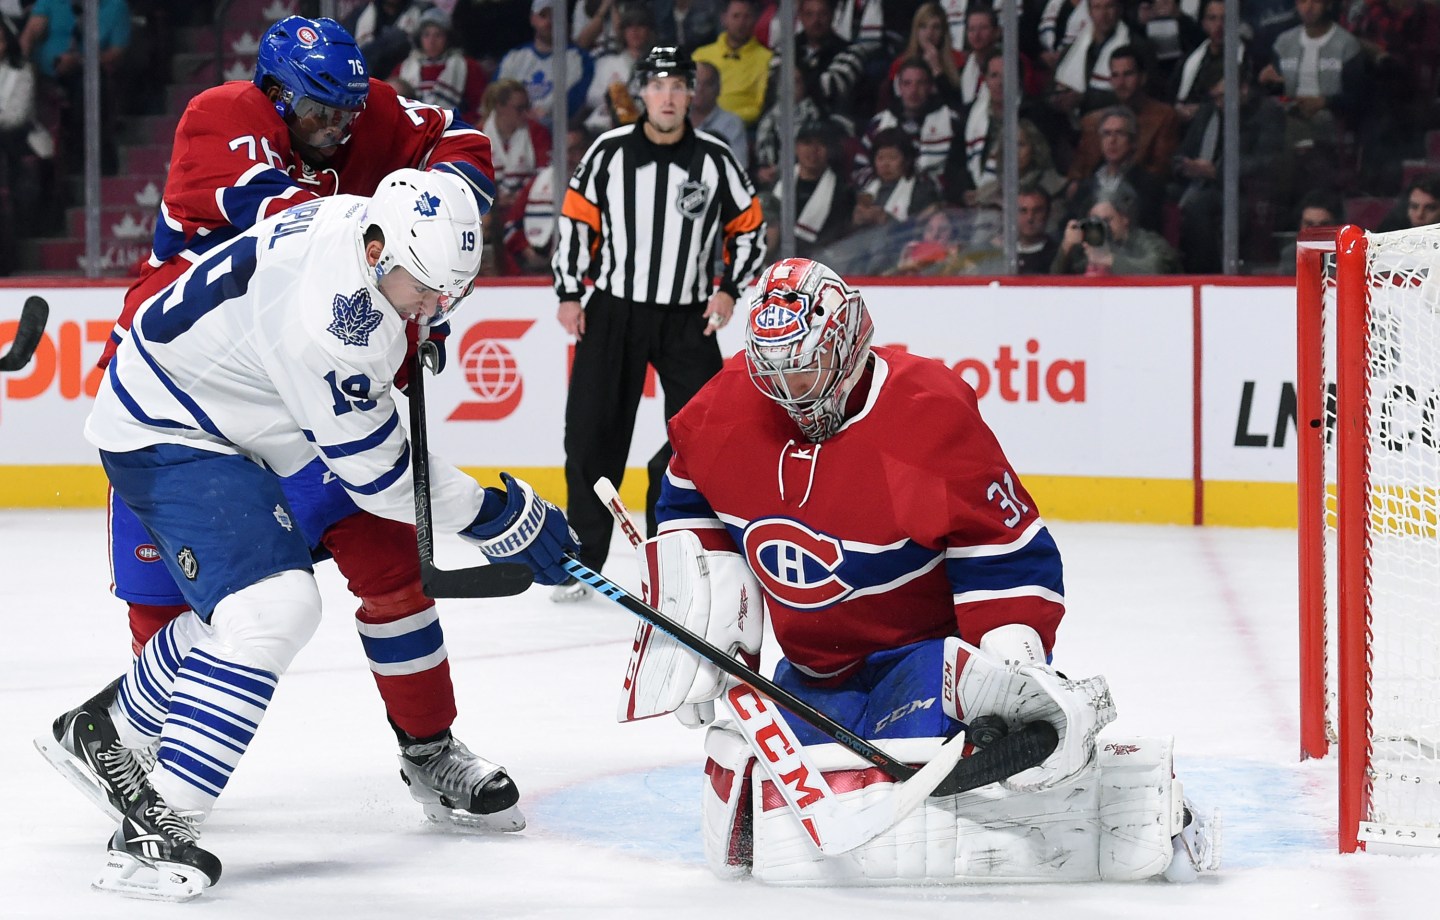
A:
[1195,628]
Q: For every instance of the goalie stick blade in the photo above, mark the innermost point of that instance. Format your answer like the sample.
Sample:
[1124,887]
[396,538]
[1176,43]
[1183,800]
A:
[503,579]
[28,330]
[842,832]
[1017,751]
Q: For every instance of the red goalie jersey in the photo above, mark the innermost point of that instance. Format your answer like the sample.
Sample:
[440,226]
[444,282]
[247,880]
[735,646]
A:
[907,524]
[233,165]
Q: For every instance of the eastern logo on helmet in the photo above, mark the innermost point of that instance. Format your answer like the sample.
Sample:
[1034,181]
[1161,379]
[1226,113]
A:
[781,318]
[307,36]
[795,564]
[355,318]
[693,195]
[426,204]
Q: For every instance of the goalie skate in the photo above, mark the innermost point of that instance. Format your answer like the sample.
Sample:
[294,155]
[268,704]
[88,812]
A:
[460,789]
[84,747]
[154,855]
[1197,846]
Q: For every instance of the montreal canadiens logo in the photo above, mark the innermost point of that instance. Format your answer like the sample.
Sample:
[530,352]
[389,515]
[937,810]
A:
[306,36]
[795,564]
[147,552]
[780,320]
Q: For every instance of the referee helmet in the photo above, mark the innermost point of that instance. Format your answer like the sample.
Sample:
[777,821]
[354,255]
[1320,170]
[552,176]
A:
[666,61]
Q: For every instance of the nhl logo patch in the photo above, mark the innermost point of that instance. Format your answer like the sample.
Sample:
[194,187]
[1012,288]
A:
[692,198]
[189,566]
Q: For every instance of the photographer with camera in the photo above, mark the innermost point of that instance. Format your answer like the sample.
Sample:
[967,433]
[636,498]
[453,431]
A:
[1109,242]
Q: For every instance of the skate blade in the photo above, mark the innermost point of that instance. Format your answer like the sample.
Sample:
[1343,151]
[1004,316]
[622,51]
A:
[129,877]
[507,821]
[77,773]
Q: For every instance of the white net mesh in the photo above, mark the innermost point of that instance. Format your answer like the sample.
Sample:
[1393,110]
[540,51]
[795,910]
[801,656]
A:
[1403,277]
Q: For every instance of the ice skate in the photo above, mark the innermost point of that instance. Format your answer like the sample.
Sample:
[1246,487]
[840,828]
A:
[154,855]
[570,591]
[84,747]
[1197,846]
[458,788]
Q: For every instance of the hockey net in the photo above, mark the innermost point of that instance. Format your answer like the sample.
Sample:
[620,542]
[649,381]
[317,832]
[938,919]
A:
[1368,401]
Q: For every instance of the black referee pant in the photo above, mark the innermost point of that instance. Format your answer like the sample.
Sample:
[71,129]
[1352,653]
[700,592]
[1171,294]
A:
[606,381]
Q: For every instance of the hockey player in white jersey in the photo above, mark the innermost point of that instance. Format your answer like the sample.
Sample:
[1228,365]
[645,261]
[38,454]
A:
[277,347]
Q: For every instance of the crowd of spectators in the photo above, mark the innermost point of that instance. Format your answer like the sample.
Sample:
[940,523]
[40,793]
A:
[899,120]
[898,115]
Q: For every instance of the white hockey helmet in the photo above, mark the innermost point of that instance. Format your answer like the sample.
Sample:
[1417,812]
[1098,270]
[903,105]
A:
[431,223]
[807,343]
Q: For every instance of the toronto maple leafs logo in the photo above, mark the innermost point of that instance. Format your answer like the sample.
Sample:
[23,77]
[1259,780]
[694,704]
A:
[355,318]
[426,204]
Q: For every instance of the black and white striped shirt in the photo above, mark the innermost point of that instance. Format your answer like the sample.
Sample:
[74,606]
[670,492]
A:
[644,218]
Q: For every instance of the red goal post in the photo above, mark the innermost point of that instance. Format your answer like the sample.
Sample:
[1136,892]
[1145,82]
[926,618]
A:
[1368,403]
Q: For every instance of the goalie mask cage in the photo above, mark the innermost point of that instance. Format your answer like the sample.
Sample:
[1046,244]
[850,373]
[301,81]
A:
[1368,401]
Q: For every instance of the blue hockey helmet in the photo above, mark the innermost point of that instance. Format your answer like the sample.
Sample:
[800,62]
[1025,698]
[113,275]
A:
[317,66]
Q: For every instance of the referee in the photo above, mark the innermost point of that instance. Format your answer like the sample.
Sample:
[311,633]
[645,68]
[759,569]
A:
[641,217]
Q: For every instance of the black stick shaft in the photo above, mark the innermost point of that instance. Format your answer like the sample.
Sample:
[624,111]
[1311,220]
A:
[495,580]
[28,330]
[420,457]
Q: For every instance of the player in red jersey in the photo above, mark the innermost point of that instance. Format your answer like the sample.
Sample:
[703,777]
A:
[854,494]
[311,124]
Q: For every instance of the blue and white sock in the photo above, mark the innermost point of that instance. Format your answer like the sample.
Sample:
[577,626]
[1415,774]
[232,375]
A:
[214,712]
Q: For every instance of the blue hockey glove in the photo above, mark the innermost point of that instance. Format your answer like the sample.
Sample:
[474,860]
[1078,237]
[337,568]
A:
[517,525]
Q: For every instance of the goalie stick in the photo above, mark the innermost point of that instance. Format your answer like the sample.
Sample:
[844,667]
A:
[28,330]
[831,827]
[495,580]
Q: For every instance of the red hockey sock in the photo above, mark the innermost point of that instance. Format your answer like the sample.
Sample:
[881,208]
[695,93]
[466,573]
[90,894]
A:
[148,619]
[398,624]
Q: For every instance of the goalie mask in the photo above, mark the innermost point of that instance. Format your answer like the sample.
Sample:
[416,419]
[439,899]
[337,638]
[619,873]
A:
[807,343]
[431,224]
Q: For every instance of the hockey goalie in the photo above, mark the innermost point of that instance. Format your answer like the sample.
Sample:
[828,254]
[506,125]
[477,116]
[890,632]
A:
[853,496]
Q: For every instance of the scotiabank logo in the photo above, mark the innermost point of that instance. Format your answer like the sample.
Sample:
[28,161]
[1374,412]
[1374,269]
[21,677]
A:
[62,361]
[490,370]
[1031,378]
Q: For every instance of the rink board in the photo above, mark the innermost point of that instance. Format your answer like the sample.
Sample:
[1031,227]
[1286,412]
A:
[1158,400]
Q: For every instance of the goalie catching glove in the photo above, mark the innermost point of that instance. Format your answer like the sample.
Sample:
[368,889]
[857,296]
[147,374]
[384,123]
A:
[1007,676]
[713,595]
[517,525]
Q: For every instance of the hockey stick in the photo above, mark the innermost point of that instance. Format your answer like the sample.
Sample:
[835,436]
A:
[494,580]
[27,334]
[1002,757]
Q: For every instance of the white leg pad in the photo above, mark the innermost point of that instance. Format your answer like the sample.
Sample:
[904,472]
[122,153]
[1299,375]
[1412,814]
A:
[1141,808]
[725,801]
[1112,821]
